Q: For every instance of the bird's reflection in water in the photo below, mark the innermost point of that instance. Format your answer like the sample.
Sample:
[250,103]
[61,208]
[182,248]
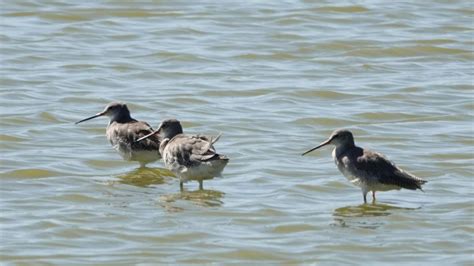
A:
[144,177]
[365,215]
[204,198]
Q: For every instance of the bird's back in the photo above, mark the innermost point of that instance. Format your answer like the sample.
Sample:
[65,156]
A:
[191,150]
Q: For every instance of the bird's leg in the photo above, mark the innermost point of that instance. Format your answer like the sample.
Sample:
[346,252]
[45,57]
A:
[200,185]
[181,186]
[373,196]
[365,196]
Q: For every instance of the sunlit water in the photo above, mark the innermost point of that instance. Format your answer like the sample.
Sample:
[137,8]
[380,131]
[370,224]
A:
[275,78]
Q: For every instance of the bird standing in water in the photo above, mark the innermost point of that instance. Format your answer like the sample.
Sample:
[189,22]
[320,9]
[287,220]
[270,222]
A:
[188,157]
[123,131]
[369,170]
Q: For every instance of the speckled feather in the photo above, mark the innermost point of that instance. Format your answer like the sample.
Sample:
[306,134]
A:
[134,130]
[191,150]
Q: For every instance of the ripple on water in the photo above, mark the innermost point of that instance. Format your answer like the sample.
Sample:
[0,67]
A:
[10,138]
[251,255]
[320,94]
[294,228]
[31,173]
[77,198]
[409,51]
[324,121]
[49,117]
[342,9]
[386,116]
[238,93]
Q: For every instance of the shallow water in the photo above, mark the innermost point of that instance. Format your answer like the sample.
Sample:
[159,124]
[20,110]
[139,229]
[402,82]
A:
[276,79]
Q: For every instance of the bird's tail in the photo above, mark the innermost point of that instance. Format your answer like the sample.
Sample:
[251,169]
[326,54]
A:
[410,181]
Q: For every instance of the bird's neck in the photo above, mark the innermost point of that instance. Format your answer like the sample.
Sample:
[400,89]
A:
[339,150]
[122,117]
[172,132]
[163,144]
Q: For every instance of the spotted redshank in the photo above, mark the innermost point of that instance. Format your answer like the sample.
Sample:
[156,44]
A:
[189,157]
[122,132]
[369,170]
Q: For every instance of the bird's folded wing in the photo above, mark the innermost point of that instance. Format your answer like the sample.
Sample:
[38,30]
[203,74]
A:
[192,149]
[375,165]
[140,129]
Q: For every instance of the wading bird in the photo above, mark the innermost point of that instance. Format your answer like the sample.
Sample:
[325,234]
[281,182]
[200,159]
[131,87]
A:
[369,170]
[188,157]
[123,131]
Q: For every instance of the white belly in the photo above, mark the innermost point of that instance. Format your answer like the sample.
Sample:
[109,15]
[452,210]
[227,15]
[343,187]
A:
[202,171]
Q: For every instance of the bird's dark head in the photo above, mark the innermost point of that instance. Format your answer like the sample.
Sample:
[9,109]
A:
[117,111]
[338,138]
[114,107]
[341,137]
[114,110]
[169,128]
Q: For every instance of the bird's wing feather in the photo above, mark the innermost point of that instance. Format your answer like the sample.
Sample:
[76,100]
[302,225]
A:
[190,150]
[151,143]
[375,166]
[134,131]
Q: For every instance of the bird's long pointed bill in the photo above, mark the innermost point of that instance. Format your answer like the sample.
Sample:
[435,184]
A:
[89,118]
[317,147]
[147,136]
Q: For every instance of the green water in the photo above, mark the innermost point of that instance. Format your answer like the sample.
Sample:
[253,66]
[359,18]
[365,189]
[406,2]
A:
[275,78]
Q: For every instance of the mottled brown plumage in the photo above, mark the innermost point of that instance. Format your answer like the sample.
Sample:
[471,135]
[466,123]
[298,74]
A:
[189,157]
[369,170]
[123,131]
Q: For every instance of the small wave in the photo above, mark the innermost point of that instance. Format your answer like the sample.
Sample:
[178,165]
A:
[30,173]
[342,9]
[408,51]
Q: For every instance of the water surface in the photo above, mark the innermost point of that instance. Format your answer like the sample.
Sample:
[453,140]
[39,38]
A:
[275,78]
